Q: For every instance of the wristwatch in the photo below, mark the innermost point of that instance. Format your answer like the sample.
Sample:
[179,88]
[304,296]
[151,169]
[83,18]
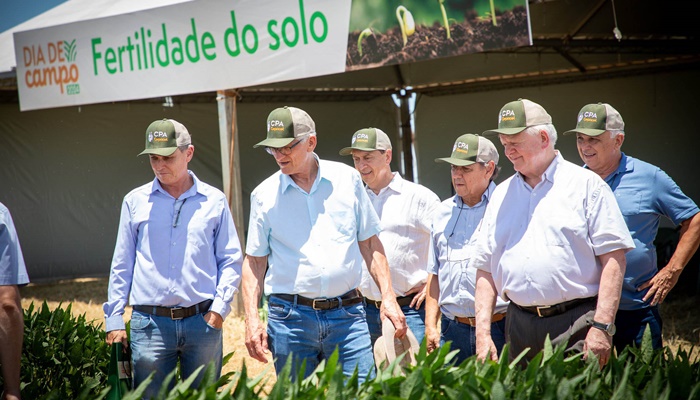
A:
[607,328]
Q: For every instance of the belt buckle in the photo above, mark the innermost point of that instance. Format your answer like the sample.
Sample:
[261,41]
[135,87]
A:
[172,313]
[377,303]
[313,304]
[539,314]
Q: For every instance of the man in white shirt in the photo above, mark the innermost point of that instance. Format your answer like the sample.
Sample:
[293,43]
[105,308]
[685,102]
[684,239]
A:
[405,210]
[553,242]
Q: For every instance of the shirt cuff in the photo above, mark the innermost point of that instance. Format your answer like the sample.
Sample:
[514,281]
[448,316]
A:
[220,307]
[114,323]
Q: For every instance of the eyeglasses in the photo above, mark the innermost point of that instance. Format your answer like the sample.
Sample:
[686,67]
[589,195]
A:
[285,151]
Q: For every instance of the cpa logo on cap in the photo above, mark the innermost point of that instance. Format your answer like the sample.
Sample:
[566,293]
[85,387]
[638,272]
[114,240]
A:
[354,138]
[580,117]
[455,147]
[499,117]
[150,137]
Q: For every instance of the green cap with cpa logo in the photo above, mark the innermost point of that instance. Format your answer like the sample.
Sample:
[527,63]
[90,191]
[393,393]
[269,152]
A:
[368,139]
[469,149]
[286,124]
[164,136]
[594,119]
[518,115]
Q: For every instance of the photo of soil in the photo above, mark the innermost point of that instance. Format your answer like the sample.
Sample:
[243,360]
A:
[473,34]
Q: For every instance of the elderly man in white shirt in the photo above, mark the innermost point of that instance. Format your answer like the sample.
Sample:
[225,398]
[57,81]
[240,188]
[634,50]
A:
[405,210]
[553,242]
[451,283]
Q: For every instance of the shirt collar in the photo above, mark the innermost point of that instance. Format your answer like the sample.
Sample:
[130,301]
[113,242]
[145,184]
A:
[549,173]
[396,184]
[286,181]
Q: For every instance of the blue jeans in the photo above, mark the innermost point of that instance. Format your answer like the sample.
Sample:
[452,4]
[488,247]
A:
[415,319]
[631,324]
[312,335]
[463,337]
[158,343]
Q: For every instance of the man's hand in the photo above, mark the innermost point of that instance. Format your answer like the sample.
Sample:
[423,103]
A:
[660,285]
[600,343]
[256,339]
[418,299]
[117,336]
[390,309]
[214,320]
[432,338]
[486,349]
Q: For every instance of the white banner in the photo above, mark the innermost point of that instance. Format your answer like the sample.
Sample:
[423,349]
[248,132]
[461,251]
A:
[199,46]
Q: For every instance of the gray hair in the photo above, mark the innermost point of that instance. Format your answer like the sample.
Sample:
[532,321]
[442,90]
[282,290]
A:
[549,128]
[615,132]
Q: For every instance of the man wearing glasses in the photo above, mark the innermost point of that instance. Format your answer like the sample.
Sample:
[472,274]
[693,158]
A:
[451,283]
[312,222]
[178,263]
[405,210]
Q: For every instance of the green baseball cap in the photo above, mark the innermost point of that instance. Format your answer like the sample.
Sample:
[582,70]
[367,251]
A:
[368,139]
[164,136]
[286,124]
[518,115]
[594,119]
[469,149]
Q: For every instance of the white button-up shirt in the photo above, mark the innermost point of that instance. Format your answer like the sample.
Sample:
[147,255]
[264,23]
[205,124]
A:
[454,224]
[311,239]
[541,244]
[405,210]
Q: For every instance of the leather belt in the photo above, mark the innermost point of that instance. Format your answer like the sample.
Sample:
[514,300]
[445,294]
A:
[348,299]
[471,321]
[403,301]
[175,312]
[555,309]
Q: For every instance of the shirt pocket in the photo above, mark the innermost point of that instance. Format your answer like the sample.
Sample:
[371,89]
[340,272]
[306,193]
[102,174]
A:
[630,202]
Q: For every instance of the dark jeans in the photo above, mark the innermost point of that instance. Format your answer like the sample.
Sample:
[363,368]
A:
[631,324]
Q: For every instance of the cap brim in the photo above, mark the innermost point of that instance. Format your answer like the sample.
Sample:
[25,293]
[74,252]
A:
[455,161]
[275,142]
[504,131]
[164,151]
[348,150]
[587,132]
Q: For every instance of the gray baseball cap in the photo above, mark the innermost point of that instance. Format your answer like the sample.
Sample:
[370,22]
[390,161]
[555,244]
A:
[519,115]
[286,124]
[594,119]
[368,139]
[164,136]
[469,149]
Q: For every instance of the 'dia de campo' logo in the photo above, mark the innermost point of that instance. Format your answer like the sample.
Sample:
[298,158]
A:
[52,64]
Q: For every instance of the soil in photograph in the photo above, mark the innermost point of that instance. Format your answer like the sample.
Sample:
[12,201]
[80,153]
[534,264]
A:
[474,34]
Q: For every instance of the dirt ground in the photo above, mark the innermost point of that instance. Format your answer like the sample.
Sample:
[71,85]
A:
[680,315]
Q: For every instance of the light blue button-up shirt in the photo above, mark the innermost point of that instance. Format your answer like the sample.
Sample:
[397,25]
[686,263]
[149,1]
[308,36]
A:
[174,252]
[454,224]
[645,193]
[13,271]
[311,239]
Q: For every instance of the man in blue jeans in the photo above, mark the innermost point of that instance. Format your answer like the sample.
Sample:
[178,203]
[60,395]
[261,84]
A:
[313,223]
[178,263]
[473,166]
[644,193]
[405,210]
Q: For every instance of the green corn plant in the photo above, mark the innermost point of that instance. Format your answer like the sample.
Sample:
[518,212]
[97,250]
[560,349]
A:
[406,23]
[493,13]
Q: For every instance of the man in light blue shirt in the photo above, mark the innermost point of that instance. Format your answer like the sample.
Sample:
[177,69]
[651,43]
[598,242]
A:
[13,273]
[178,263]
[313,223]
[644,193]
[451,280]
